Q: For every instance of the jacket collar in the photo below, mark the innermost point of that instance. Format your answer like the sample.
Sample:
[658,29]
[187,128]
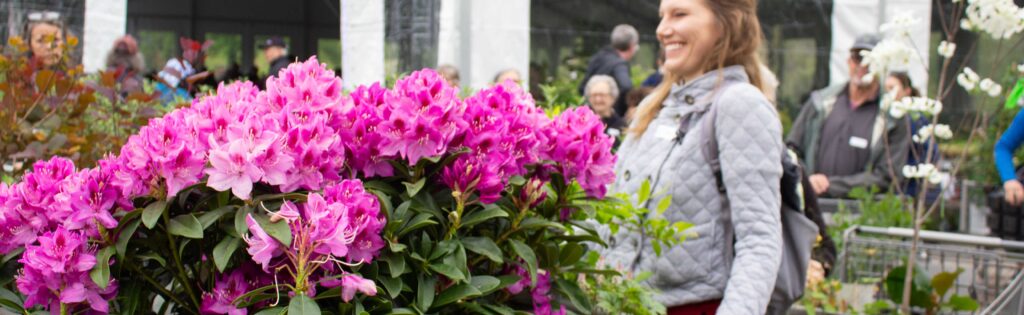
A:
[701,91]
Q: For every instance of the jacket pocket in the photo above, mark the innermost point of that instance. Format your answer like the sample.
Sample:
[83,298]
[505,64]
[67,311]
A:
[687,263]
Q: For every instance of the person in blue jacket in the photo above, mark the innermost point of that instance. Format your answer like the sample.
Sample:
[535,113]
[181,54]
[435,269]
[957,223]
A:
[1011,140]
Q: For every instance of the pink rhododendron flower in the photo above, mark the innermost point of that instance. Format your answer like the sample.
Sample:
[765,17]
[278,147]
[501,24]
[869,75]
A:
[92,197]
[225,291]
[422,117]
[365,219]
[57,271]
[262,247]
[582,150]
[233,168]
[36,192]
[351,283]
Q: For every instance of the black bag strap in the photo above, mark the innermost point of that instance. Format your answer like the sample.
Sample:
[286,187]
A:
[709,148]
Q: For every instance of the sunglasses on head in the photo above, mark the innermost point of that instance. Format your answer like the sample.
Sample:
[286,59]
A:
[43,16]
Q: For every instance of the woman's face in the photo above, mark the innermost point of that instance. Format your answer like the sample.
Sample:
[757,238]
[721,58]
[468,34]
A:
[601,101]
[893,85]
[688,32]
[47,43]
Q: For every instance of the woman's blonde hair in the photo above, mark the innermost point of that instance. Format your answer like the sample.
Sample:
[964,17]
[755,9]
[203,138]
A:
[738,45]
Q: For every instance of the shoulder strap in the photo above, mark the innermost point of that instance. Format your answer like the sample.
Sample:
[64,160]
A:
[710,150]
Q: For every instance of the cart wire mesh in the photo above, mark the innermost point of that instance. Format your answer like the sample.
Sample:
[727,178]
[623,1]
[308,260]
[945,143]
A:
[992,267]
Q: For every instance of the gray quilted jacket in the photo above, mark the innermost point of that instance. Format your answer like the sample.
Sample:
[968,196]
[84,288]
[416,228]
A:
[750,144]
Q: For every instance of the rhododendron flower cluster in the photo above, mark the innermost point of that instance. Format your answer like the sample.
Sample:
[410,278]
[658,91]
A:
[57,273]
[582,150]
[502,135]
[344,225]
[539,292]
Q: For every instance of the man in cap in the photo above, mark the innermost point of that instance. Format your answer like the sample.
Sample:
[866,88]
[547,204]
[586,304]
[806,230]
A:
[276,53]
[845,138]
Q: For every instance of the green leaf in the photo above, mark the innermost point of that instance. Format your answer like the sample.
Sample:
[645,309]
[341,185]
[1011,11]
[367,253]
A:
[403,311]
[278,230]
[381,187]
[483,246]
[425,291]
[942,281]
[531,223]
[396,264]
[962,303]
[486,284]
[575,294]
[527,255]
[455,293]
[414,188]
[272,311]
[664,204]
[126,235]
[211,217]
[100,273]
[920,289]
[644,193]
[392,285]
[14,253]
[570,254]
[224,250]
[448,271]
[153,257]
[489,212]
[241,228]
[421,220]
[186,225]
[303,305]
[152,213]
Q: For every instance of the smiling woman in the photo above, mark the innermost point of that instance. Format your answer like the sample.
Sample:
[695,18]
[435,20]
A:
[711,68]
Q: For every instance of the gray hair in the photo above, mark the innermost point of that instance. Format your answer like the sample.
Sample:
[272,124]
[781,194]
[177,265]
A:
[624,36]
[601,78]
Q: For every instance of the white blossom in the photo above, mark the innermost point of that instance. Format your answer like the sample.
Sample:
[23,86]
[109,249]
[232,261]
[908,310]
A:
[946,49]
[891,53]
[924,170]
[921,105]
[966,25]
[1001,19]
[991,87]
[1020,68]
[940,131]
[900,25]
[968,79]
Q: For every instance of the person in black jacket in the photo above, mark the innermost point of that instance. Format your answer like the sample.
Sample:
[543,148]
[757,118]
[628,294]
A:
[614,61]
[275,50]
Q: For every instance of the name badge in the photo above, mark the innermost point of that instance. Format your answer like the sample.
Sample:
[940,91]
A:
[665,132]
[858,142]
[614,132]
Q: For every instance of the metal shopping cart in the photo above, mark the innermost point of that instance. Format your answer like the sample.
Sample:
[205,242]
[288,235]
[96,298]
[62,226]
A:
[993,268]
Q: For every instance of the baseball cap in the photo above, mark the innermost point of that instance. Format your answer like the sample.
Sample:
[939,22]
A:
[273,41]
[866,42]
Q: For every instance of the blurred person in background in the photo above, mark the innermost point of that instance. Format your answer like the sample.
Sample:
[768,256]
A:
[126,61]
[614,61]
[508,74]
[45,33]
[450,73]
[840,130]
[275,51]
[179,74]
[655,78]
[601,93]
